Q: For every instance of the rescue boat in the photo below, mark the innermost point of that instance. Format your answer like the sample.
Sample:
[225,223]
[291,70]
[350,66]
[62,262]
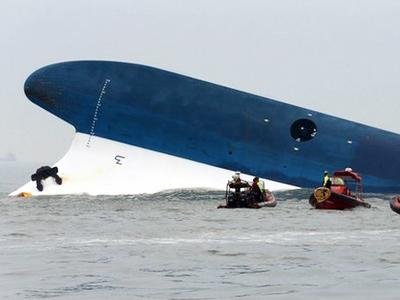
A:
[244,198]
[339,195]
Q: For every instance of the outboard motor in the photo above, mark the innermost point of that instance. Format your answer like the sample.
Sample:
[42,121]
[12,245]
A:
[43,173]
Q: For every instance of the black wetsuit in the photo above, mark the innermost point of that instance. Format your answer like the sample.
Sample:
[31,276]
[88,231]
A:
[256,192]
[43,173]
[238,198]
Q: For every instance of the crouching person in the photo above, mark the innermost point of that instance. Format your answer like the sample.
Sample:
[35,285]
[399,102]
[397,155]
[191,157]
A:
[43,173]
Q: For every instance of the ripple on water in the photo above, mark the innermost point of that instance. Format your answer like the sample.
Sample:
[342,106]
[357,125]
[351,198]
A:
[177,245]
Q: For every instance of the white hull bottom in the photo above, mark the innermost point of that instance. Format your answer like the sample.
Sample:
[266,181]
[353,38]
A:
[107,167]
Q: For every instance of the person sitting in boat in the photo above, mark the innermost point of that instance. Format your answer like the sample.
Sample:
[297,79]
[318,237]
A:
[326,181]
[237,183]
[257,190]
[339,186]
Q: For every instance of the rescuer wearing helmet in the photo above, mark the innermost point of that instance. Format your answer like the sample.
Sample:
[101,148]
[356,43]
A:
[326,181]
[237,183]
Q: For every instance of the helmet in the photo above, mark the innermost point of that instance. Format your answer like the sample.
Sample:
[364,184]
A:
[236,176]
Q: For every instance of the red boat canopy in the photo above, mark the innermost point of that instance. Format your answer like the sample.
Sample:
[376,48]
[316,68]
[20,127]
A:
[347,175]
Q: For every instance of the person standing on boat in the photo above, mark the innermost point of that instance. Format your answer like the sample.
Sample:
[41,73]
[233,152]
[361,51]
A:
[237,183]
[326,181]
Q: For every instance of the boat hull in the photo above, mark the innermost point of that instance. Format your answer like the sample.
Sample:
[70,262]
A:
[199,121]
[337,201]
[130,105]
[395,204]
[270,200]
[111,168]
[247,202]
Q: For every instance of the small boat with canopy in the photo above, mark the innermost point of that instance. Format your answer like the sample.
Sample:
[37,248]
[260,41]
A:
[345,192]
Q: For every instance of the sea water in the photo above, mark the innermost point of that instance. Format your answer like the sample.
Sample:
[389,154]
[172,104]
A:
[177,245]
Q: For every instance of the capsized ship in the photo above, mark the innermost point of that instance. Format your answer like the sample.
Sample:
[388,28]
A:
[142,129]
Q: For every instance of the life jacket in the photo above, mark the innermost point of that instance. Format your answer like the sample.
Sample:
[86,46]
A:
[326,180]
[261,185]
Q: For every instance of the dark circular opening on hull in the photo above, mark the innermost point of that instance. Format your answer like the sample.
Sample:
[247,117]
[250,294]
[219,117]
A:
[303,130]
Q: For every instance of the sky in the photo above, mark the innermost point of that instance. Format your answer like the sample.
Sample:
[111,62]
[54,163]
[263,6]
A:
[340,57]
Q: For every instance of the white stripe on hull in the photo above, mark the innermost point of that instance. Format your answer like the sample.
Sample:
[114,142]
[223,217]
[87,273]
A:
[112,168]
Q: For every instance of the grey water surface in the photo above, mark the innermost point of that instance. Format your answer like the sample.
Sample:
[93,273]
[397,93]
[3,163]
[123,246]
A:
[177,245]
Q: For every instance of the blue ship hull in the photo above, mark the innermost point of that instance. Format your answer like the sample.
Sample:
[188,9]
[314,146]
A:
[219,126]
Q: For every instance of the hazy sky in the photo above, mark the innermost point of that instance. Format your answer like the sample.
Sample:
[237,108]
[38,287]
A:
[340,57]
